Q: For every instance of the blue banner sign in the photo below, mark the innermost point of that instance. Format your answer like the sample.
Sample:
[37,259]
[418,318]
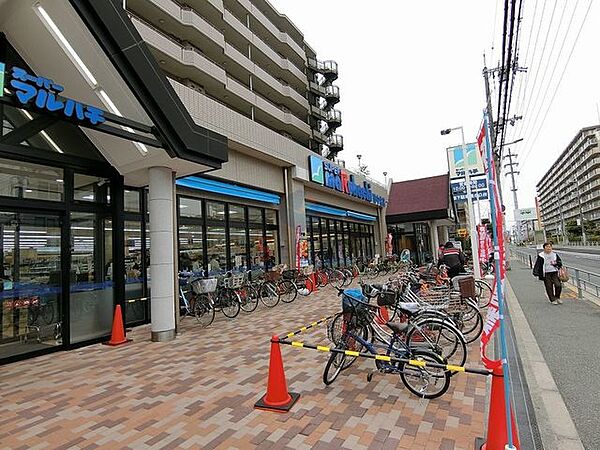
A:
[478,189]
[44,92]
[334,177]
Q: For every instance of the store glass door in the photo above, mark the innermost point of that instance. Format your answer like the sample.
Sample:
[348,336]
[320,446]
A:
[91,289]
[30,285]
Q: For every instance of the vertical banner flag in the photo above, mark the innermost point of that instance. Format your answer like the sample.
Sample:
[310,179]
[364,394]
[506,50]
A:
[483,252]
[388,245]
[493,317]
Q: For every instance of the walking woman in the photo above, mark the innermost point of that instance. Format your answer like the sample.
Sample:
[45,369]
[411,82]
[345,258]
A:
[546,269]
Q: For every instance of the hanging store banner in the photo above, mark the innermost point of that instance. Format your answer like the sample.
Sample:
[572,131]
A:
[456,161]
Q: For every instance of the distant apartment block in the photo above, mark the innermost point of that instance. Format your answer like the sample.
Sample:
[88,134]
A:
[573,177]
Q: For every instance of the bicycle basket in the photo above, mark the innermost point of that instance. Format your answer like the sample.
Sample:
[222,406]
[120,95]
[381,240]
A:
[234,281]
[204,285]
[386,298]
[291,274]
[256,274]
[272,275]
[351,301]
[467,287]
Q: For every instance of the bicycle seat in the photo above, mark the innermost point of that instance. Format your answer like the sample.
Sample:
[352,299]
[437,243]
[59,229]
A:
[397,328]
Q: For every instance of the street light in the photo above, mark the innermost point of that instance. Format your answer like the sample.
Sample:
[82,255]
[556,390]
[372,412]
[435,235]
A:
[385,177]
[473,229]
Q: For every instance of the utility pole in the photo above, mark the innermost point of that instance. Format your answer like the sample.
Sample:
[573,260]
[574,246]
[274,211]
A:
[512,172]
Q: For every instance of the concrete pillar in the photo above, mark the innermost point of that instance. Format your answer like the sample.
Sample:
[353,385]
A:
[161,206]
[435,241]
[443,234]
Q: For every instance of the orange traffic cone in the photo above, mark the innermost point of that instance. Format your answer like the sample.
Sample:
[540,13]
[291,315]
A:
[497,436]
[382,316]
[277,398]
[117,336]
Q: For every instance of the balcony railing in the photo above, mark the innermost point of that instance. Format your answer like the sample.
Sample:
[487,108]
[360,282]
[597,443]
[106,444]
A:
[335,141]
[334,116]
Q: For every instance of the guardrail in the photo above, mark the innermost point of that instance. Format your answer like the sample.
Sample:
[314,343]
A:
[581,279]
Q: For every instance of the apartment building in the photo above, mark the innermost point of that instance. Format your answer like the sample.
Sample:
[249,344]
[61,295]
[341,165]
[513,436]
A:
[573,181]
[251,59]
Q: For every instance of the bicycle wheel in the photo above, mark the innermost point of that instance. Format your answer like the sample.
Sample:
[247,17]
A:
[322,279]
[440,337]
[230,303]
[203,310]
[425,382]
[336,278]
[470,321]
[483,293]
[334,366]
[287,291]
[348,277]
[248,298]
[268,294]
[33,313]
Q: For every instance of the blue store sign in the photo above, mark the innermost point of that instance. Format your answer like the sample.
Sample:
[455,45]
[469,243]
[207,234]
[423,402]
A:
[334,177]
[44,92]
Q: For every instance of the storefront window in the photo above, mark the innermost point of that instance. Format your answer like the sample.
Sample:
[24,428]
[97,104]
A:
[190,207]
[340,244]
[316,242]
[270,217]
[91,298]
[30,283]
[215,211]
[237,249]
[25,180]
[88,188]
[257,242]
[272,248]
[217,256]
[346,242]
[132,201]
[134,280]
[191,256]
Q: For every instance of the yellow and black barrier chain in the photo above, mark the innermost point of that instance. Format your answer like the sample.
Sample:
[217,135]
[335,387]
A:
[412,362]
[303,329]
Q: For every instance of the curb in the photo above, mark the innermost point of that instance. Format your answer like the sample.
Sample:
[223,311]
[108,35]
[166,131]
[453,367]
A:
[557,429]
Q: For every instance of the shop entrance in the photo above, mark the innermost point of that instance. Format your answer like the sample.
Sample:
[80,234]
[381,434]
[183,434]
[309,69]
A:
[30,289]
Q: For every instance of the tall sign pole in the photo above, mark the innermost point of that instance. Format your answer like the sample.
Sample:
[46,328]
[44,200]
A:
[499,256]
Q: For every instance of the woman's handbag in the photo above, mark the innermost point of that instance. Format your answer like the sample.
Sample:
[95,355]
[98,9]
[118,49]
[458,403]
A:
[563,274]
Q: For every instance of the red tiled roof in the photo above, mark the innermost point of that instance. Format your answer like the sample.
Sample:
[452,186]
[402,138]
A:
[422,195]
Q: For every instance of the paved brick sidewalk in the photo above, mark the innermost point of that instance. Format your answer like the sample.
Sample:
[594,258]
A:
[199,392]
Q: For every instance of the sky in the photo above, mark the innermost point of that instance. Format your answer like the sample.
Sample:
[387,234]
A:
[409,69]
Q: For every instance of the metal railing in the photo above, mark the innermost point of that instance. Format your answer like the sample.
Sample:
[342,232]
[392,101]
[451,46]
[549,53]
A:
[583,280]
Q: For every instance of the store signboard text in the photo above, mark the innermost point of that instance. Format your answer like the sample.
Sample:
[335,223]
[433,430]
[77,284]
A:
[334,177]
[44,92]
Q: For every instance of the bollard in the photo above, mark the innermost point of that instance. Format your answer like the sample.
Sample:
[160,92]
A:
[578,283]
[530,262]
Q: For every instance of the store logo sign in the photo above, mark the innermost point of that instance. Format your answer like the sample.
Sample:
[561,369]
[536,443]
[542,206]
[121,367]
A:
[45,94]
[334,177]
[316,169]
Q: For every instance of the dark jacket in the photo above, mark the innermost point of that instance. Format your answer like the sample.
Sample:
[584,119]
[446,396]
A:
[538,267]
[453,258]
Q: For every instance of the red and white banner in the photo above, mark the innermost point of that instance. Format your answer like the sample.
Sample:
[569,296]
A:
[492,321]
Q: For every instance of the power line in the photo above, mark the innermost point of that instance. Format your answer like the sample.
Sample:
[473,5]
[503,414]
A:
[535,47]
[504,28]
[558,84]
[538,109]
[537,67]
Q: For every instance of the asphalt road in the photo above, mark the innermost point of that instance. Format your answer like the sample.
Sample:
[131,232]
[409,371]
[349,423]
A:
[569,340]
